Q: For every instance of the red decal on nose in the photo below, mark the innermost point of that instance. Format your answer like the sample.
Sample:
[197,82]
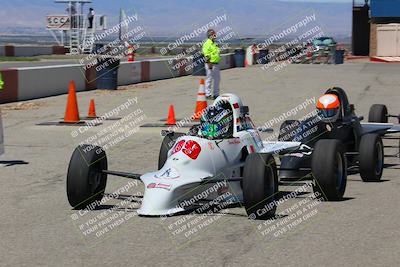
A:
[192,149]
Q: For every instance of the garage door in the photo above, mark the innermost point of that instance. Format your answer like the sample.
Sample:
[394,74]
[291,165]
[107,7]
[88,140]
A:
[388,37]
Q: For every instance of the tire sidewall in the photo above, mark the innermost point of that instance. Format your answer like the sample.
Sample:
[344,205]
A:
[324,163]
[369,156]
[260,184]
[378,113]
[83,170]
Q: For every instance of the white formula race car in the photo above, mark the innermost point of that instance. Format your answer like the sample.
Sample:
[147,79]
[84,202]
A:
[190,165]
[238,168]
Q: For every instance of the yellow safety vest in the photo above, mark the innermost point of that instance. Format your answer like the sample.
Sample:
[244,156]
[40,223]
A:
[211,51]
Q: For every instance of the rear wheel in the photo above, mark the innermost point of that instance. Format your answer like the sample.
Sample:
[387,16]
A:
[378,113]
[85,181]
[329,168]
[260,184]
[287,130]
[371,158]
[167,143]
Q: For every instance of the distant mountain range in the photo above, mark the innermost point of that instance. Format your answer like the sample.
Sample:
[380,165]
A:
[255,18]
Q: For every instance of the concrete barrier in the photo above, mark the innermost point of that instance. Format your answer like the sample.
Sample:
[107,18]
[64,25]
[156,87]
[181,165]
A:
[188,65]
[9,50]
[9,93]
[31,50]
[28,51]
[227,61]
[1,136]
[162,69]
[129,73]
[36,82]
[60,50]
[144,50]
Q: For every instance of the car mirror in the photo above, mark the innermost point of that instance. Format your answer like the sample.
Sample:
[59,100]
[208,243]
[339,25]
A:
[165,132]
[265,130]
[244,109]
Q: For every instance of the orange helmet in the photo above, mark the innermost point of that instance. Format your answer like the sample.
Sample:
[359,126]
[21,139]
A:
[328,107]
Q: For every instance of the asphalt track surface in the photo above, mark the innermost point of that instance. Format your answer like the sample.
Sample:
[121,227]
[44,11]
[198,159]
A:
[39,228]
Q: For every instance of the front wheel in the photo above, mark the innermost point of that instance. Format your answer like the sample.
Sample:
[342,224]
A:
[260,186]
[371,158]
[329,168]
[85,180]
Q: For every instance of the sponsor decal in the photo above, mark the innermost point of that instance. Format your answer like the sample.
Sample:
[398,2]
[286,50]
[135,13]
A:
[170,173]
[192,149]
[256,137]
[178,146]
[328,127]
[58,22]
[152,185]
[234,141]
[235,105]
[297,155]
[159,185]
[211,145]
[252,150]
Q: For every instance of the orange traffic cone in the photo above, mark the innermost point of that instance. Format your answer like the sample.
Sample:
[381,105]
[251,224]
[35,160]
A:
[171,116]
[72,112]
[92,110]
[201,102]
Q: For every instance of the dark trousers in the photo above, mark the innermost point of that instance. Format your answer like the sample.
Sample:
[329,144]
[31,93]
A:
[90,23]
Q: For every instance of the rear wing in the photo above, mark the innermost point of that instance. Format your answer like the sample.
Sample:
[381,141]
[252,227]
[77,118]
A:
[379,128]
[1,136]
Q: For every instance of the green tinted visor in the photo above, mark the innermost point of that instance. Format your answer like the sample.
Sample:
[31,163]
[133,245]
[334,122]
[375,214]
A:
[210,130]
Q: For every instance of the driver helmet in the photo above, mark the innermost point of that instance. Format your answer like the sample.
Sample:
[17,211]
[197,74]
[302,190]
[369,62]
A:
[217,122]
[328,107]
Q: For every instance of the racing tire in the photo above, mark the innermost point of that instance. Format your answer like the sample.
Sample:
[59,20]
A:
[378,113]
[260,186]
[85,181]
[329,169]
[371,158]
[167,143]
[287,130]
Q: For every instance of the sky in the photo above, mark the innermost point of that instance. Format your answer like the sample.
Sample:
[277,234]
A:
[320,1]
[250,17]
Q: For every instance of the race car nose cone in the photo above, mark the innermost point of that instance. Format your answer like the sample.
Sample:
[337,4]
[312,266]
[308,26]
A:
[158,198]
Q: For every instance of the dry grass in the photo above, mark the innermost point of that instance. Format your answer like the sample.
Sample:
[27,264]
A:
[22,106]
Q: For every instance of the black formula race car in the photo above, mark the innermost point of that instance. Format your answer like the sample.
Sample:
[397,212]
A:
[378,113]
[331,149]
